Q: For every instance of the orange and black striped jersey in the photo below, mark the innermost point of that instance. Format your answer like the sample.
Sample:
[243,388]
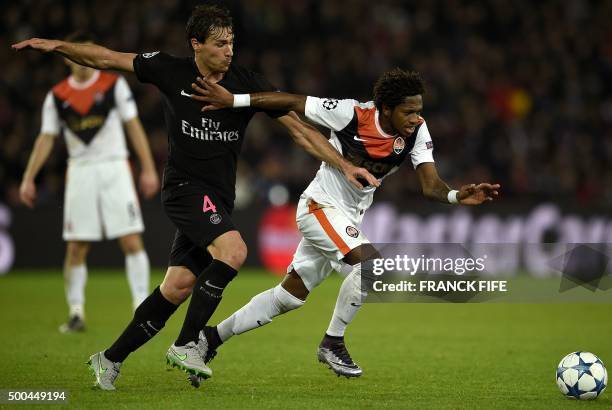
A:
[90,114]
[356,133]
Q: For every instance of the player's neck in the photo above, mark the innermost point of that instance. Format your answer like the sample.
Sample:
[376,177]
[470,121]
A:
[83,76]
[210,75]
[385,125]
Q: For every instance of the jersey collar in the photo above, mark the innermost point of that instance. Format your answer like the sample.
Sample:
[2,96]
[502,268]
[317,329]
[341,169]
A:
[379,128]
[81,85]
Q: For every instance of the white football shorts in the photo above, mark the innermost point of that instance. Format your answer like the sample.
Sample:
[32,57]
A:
[329,235]
[100,201]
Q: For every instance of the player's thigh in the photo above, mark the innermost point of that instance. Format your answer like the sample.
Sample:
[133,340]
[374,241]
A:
[119,203]
[186,253]
[311,265]
[329,230]
[363,252]
[81,215]
[197,212]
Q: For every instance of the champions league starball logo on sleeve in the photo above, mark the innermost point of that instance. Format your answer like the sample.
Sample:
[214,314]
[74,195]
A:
[330,103]
[149,55]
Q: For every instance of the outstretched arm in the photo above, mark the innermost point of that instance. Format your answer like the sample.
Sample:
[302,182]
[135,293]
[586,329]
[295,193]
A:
[91,55]
[148,181]
[40,153]
[216,97]
[436,189]
[309,138]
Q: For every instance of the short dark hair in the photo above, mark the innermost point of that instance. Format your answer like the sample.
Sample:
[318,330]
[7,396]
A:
[205,19]
[395,85]
[79,37]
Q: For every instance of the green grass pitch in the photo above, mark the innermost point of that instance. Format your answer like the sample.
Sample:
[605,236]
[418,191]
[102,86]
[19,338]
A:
[413,355]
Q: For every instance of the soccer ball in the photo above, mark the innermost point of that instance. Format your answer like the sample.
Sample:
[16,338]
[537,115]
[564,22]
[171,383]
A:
[582,376]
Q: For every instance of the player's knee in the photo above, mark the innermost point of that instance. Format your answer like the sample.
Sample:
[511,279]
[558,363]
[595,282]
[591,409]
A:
[230,249]
[294,284]
[177,285]
[76,253]
[131,244]
[285,301]
[173,293]
[236,255]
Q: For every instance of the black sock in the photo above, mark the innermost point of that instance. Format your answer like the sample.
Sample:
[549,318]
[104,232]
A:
[149,318]
[212,336]
[205,298]
[331,340]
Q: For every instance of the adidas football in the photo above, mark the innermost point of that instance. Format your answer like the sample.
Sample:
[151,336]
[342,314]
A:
[582,376]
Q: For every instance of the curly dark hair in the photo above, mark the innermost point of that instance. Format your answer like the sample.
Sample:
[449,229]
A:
[206,20]
[395,85]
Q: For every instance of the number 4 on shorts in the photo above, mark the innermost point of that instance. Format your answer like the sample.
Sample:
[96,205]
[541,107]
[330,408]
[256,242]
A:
[208,205]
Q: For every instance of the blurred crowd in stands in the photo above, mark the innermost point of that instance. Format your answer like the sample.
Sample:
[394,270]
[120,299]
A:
[518,93]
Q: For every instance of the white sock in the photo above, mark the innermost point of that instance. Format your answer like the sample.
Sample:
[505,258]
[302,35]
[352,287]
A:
[258,312]
[350,299]
[75,278]
[138,272]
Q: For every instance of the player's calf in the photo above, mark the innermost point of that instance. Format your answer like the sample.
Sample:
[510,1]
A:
[149,318]
[260,311]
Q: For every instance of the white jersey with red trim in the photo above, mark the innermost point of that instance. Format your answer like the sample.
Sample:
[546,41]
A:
[91,114]
[356,133]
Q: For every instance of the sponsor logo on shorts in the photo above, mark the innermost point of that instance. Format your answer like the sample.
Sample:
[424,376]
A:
[352,231]
[215,219]
[398,145]
[132,213]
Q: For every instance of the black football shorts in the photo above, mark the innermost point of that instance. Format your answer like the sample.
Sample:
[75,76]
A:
[200,217]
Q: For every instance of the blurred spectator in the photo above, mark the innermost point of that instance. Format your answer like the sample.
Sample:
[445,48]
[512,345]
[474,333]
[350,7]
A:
[517,93]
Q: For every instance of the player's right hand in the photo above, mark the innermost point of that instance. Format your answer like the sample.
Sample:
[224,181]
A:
[27,193]
[215,96]
[149,183]
[358,176]
[40,44]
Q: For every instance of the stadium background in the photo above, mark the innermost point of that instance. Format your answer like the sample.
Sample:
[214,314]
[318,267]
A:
[517,93]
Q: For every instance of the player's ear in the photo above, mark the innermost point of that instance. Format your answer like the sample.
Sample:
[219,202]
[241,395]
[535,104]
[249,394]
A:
[195,44]
[387,111]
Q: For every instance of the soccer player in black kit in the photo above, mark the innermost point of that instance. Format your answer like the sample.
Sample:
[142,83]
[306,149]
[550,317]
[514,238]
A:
[198,184]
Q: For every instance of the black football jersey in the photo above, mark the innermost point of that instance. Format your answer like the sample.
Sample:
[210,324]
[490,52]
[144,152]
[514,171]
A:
[202,145]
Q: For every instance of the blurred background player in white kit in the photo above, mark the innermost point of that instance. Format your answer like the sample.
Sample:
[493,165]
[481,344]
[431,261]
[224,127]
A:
[100,201]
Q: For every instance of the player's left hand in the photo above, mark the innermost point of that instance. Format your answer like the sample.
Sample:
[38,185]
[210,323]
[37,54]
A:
[215,96]
[477,194]
[40,44]
[149,183]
